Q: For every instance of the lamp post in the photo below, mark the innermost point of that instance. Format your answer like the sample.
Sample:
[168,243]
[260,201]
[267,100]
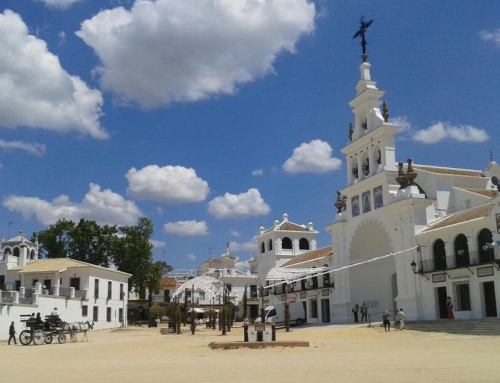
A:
[414,265]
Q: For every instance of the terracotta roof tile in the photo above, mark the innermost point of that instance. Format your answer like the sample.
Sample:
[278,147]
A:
[449,171]
[310,255]
[52,265]
[287,226]
[486,192]
[461,217]
[168,281]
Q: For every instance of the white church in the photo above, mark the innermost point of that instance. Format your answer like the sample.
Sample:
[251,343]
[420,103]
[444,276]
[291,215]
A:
[404,235]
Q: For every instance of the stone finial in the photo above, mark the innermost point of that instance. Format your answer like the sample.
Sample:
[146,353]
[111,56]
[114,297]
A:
[341,202]
[401,178]
[261,229]
[410,174]
[276,222]
[310,226]
[405,180]
[385,111]
[351,131]
[285,217]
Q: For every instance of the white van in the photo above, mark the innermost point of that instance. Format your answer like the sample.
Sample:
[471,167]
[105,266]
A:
[276,314]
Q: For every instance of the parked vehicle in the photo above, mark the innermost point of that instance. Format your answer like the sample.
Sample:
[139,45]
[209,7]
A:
[276,314]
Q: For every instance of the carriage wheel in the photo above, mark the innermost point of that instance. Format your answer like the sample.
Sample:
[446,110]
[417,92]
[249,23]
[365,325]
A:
[38,337]
[48,338]
[61,338]
[25,337]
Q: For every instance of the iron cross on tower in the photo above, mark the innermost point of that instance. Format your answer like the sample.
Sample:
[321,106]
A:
[363,26]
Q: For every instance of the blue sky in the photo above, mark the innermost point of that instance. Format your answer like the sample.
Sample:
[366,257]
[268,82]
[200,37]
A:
[214,117]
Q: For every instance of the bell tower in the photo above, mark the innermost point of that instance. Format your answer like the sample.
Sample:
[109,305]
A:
[371,148]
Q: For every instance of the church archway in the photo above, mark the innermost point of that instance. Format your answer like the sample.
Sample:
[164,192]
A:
[372,282]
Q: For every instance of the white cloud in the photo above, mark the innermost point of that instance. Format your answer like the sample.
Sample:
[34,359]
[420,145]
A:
[104,207]
[191,257]
[34,148]
[312,157]
[257,172]
[186,228]
[247,247]
[169,184]
[234,233]
[444,130]
[169,51]
[491,36]
[402,122]
[36,91]
[59,4]
[157,244]
[62,37]
[238,206]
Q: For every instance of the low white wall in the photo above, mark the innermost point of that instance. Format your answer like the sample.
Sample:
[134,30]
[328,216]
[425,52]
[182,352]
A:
[69,310]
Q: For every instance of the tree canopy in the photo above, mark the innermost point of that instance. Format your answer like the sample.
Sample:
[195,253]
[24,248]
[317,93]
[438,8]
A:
[127,247]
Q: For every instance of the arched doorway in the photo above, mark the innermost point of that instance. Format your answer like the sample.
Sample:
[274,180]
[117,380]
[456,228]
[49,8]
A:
[372,282]
[439,255]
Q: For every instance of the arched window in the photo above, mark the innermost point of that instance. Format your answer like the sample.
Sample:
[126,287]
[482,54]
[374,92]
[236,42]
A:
[461,251]
[439,253]
[303,244]
[16,251]
[314,280]
[270,247]
[326,279]
[483,237]
[7,251]
[262,248]
[286,243]
[32,254]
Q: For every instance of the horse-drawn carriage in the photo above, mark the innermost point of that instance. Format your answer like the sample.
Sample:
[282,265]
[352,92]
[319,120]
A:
[40,332]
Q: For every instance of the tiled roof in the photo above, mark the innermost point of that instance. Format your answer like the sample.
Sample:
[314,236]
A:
[486,192]
[287,226]
[53,265]
[461,217]
[168,281]
[310,255]
[449,171]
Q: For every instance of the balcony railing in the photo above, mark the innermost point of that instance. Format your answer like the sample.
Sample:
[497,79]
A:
[473,258]
[27,297]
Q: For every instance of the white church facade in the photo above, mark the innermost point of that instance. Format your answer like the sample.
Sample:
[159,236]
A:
[404,234]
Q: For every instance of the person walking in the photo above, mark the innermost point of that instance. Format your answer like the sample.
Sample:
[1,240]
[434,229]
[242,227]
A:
[364,312]
[401,318]
[355,311]
[449,308]
[387,323]
[12,333]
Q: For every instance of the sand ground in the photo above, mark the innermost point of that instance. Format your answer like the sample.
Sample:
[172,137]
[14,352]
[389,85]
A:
[336,354]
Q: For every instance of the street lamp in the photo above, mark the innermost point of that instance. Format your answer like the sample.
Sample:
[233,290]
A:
[414,265]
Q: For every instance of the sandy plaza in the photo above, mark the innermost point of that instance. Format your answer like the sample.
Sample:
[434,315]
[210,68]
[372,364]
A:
[336,353]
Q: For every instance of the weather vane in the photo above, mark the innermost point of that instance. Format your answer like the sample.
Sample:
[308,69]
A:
[363,26]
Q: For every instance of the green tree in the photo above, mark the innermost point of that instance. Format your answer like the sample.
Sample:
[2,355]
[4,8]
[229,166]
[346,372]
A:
[287,315]
[134,255]
[156,312]
[245,302]
[127,247]
[85,241]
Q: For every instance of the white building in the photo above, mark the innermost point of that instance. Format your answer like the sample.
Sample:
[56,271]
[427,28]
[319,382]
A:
[404,235]
[288,245]
[388,209]
[79,290]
